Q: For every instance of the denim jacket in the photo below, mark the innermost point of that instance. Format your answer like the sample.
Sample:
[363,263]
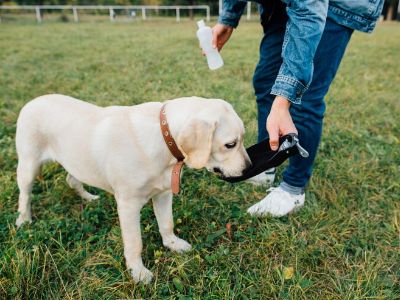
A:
[306,22]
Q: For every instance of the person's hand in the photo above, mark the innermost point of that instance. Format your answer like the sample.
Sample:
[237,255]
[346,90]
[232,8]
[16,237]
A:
[221,34]
[279,121]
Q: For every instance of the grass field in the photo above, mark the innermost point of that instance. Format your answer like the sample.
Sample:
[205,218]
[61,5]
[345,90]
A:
[344,244]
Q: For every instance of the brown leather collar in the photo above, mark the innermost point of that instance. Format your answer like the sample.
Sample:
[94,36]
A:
[173,148]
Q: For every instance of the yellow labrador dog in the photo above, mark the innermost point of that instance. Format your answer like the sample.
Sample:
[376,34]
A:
[121,150]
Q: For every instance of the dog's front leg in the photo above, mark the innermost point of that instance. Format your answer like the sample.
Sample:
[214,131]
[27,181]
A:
[162,204]
[129,218]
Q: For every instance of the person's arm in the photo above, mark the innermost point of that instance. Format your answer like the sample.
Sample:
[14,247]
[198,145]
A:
[304,29]
[303,32]
[228,20]
[231,12]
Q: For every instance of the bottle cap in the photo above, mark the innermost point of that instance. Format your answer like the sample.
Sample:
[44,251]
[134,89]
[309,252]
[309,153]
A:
[201,23]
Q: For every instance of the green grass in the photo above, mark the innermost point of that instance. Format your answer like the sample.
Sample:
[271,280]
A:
[344,244]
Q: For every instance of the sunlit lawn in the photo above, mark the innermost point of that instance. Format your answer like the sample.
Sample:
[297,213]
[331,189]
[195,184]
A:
[344,244]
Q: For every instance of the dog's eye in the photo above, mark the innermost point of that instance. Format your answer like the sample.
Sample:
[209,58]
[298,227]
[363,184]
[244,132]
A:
[230,145]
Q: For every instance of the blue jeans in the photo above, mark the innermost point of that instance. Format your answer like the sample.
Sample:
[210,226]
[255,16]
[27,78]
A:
[308,116]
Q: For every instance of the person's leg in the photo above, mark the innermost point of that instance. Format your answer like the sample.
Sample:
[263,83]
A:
[308,116]
[273,19]
[308,120]
[269,63]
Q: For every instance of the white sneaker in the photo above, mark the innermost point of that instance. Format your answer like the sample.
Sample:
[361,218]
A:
[278,203]
[264,178]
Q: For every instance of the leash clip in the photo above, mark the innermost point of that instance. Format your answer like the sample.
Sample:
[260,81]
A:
[303,152]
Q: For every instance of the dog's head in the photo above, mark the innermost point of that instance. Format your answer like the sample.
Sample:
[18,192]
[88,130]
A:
[213,138]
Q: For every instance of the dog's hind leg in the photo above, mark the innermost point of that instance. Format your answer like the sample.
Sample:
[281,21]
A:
[26,173]
[30,146]
[78,187]
[162,205]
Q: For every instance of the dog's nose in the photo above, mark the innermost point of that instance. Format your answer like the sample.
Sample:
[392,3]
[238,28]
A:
[248,164]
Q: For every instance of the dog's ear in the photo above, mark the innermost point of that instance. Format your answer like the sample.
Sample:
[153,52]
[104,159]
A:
[195,141]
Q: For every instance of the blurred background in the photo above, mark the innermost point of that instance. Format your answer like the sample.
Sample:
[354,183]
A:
[18,10]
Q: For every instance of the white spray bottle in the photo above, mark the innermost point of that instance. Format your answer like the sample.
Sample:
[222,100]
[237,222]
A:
[204,34]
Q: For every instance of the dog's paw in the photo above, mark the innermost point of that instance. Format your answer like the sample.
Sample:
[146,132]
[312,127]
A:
[22,218]
[176,244]
[141,274]
[89,197]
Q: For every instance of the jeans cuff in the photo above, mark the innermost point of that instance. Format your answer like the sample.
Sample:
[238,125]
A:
[229,20]
[289,87]
[294,190]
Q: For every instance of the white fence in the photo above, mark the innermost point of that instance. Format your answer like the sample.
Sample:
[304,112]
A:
[111,9]
[248,14]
